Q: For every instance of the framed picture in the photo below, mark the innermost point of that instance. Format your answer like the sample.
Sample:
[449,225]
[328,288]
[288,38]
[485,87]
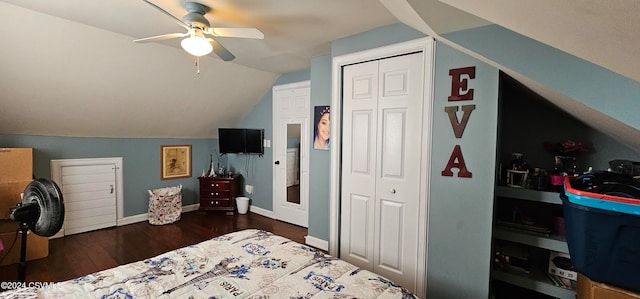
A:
[175,161]
[321,127]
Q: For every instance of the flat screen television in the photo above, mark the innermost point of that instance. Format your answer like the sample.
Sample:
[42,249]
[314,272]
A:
[238,140]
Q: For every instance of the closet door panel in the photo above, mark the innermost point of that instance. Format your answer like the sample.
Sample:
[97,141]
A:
[359,228]
[357,206]
[393,143]
[390,235]
[397,186]
[362,154]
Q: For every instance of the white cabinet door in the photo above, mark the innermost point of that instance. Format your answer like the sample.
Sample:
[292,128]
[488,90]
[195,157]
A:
[382,131]
[89,197]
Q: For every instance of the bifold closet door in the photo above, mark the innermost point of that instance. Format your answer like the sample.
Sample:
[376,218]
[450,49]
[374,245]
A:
[381,146]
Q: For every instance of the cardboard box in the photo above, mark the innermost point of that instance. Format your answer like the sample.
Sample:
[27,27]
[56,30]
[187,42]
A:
[588,289]
[16,171]
[16,164]
[10,196]
[560,265]
[37,247]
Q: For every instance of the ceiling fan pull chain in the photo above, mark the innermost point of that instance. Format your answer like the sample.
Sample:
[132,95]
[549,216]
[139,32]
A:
[198,65]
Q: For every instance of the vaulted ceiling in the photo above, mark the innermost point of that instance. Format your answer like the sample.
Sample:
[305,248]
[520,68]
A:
[70,67]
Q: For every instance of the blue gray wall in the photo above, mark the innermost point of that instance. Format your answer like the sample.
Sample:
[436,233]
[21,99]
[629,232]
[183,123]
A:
[320,160]
[141,162]
[461,209]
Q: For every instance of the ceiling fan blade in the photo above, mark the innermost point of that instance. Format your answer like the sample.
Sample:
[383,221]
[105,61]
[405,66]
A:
[236,32]
[221,51]
[160,37]
[180,22]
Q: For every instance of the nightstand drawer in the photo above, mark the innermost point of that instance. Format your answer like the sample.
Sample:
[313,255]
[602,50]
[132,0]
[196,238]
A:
[215,185]
[214,202]
[210,193]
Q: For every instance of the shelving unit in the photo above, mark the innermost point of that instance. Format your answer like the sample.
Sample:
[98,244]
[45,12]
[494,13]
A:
[537,280]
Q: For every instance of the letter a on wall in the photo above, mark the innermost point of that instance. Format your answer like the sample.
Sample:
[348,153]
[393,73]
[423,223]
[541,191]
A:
[456,161]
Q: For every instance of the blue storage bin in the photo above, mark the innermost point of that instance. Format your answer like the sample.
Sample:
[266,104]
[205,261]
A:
[604,203]
[604,244]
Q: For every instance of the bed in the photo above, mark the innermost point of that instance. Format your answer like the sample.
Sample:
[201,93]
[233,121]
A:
[244,264]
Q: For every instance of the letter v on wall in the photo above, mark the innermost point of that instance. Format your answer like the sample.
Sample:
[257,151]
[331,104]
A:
[459,126]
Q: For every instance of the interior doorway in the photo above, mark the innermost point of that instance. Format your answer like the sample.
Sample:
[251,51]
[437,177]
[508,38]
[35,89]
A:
[291,104]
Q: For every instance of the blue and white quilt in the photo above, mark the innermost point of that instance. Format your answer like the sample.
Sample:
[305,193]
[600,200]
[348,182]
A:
[251,264]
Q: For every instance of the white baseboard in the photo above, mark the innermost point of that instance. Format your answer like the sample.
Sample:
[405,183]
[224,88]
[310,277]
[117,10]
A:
[132,219]
[263,212]
[191,208]
[317,243]
[145,216]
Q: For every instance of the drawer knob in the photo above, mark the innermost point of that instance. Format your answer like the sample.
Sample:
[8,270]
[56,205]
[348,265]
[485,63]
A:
[216,202]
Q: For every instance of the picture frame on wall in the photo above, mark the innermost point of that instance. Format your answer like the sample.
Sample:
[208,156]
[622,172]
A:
[321,127]
[175,161]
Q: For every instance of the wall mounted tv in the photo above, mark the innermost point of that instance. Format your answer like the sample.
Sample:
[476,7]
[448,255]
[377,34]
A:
[237,140]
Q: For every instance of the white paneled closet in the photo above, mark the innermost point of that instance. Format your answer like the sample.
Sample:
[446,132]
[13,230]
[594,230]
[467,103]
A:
[382,166]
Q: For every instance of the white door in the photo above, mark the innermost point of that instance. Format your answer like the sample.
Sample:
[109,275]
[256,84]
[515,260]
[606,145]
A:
[92,192]
[291,104]
[381,146]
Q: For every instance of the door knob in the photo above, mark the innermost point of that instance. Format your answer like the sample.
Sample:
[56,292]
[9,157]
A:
[277,162]
[393,191]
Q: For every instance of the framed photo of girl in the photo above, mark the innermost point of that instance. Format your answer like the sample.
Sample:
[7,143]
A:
[321,127]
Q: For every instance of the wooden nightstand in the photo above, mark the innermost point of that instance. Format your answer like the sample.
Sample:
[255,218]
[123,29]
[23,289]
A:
[218,193]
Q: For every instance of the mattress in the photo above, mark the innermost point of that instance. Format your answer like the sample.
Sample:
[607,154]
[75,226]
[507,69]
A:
[245,264]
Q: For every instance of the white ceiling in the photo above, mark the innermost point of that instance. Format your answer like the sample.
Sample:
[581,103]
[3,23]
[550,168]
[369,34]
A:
[67,53]
[295,31]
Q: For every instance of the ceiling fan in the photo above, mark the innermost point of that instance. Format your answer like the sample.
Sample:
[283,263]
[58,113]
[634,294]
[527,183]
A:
[196,42]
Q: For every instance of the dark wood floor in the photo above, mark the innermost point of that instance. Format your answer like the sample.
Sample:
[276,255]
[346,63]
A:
[85,253]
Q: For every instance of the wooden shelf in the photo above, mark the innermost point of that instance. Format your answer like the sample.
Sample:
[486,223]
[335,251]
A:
[537,281]
[552,242]
[528,194]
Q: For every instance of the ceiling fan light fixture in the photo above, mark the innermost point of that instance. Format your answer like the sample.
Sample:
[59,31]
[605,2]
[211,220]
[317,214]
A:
[197,45]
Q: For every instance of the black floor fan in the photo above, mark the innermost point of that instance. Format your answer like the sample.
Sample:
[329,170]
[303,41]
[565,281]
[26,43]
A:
[41,211]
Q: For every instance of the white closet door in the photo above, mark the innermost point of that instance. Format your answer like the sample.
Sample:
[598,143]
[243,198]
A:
[359,152]
[382,130]
[398,170]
